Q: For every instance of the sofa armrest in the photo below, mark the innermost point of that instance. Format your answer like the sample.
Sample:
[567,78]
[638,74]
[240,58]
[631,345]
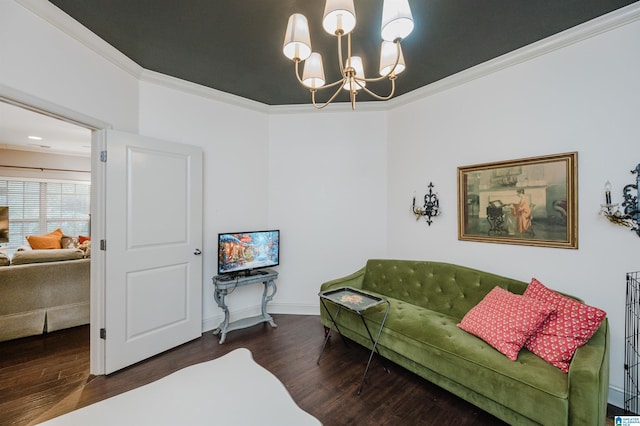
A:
[589,380]
[354,280]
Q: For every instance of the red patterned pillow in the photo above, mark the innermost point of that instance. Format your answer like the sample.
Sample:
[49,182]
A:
[505,320]
[569,327]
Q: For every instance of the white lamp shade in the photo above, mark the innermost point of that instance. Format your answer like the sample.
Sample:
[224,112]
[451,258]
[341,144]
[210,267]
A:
[389,52]
[339,15]
[313,73]
[397,21]
[297,42]
[356,64]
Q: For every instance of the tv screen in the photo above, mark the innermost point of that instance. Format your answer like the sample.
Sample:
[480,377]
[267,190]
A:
[243,252]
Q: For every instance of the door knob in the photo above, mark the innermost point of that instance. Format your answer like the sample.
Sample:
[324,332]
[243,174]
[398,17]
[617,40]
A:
[197,252]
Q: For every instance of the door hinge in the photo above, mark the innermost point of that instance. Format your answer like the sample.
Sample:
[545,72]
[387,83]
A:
[103,333]
[103,245]
[103,156]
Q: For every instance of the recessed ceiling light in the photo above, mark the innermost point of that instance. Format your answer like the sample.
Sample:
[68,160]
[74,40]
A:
[34,138]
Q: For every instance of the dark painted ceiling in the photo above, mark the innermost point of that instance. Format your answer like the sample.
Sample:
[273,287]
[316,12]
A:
[235,46]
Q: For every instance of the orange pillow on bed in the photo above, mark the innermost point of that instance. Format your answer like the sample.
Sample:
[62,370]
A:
[51,240]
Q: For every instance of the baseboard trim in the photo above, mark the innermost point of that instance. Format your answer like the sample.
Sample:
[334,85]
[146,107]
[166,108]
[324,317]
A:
[211,323]
[616,396]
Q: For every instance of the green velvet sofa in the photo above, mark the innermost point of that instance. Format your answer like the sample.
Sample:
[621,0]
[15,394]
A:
[428,300]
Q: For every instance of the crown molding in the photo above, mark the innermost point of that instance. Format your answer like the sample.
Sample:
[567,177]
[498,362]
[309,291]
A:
[600,25]
[56,17]
[199,90]
[74,29]
[364,106]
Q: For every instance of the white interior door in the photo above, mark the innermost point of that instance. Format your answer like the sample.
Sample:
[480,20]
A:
[153,229]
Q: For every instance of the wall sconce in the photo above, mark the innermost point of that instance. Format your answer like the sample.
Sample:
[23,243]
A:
[630,216]
[431,207]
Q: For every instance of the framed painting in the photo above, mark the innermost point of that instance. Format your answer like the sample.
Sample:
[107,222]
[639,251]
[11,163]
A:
[530,201]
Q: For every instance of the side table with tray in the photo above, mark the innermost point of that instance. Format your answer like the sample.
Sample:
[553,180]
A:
[358,302]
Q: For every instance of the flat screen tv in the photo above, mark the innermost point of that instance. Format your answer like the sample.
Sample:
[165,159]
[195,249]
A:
[242,253]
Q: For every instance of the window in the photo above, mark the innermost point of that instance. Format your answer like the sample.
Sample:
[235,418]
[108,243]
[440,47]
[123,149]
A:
[39,207]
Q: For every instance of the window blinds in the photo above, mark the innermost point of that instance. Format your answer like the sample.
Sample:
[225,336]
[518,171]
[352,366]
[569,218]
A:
[39,207]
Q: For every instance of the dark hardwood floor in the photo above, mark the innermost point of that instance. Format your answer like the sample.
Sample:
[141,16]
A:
[45,376]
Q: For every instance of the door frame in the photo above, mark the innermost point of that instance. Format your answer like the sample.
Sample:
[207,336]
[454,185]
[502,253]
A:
[98,192]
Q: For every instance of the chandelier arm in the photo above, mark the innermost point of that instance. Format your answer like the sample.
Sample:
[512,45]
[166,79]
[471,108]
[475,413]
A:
[340,63]
[326,86]
[381,98]
[313,98]
[297,62]
[349,50]
[391,74]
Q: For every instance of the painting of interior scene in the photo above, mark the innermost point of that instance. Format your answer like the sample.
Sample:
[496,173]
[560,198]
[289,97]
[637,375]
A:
[526,201]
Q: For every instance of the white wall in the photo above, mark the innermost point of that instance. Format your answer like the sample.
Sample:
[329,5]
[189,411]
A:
[327,193]
[585,98]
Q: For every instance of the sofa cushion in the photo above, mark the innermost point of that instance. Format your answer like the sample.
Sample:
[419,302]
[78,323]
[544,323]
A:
[46,241]
[570,326]
[506,320]
[40,256]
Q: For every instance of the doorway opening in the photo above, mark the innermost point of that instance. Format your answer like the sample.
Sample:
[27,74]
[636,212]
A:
[65,152]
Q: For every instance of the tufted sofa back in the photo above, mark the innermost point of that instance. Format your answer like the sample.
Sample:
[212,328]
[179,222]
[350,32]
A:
[442,287]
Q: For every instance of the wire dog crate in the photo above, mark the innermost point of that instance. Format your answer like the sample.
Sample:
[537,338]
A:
[632,344]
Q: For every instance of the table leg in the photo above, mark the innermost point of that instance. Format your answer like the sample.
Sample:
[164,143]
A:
[375,344]
[219,296]
[266,299]
[328,334]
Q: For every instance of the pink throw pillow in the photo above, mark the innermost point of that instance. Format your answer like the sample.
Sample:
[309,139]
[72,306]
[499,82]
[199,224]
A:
[570,326]
[505,320]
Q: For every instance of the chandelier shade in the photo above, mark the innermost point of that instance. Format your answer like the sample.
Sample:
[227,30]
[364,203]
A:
[313,73]
[297,41]
[339,17]
[391,58]
[355,63]
[339,20]
[397,21]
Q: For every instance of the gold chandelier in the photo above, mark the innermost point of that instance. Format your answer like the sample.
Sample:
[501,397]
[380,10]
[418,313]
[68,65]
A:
[339,20]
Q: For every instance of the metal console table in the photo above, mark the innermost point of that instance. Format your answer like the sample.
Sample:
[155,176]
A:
[225,285]
[356,301]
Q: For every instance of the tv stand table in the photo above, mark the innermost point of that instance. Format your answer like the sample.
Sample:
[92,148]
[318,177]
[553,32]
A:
[225,285]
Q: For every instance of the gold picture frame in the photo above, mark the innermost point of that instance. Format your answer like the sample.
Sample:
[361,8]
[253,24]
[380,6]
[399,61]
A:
[530,201]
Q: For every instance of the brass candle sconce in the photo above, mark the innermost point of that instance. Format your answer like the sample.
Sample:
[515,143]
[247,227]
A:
[431,207]
[630,215]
